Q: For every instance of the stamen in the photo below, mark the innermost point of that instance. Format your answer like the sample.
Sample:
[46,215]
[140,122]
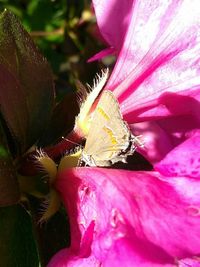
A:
[47,165]
[50,206]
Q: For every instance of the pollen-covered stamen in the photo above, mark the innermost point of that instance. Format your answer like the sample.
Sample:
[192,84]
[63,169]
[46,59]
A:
[52,203]
[47,165]
[82,92]
[71,159]
[50,206]
[82,123]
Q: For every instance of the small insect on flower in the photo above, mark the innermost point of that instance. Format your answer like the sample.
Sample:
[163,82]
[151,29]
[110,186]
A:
[109,138]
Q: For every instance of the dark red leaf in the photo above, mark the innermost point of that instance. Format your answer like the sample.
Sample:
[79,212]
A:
[9,189]
[26,83]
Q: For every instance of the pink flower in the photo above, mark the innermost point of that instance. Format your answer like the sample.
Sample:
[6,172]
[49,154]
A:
[112,15]
[128,218]
[156,77]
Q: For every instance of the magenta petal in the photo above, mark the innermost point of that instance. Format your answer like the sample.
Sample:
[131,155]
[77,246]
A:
[159,60]
[183,160]
[148,22]
[63,259]
[157,142]
[123,204]
[179,128]
[163,135]
[195,262]
[125,252]
[113,14]
[187,103]
[66,258]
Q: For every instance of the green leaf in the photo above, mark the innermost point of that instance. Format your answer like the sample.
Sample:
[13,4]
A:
[17,244]
[26,82]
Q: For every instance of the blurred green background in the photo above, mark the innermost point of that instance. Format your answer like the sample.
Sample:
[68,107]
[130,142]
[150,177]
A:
[65,32]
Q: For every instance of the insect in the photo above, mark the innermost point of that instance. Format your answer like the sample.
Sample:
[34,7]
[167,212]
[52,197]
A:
[109,138]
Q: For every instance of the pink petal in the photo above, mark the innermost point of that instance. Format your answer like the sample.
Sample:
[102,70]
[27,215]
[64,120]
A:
[187,189]
[179,128]
[157,142]
[113,14]
[61,259]
[195,262]
[66,258]
[125,206]
[130,251]
[163,135]
[187,103]
[159,60]
[147,23]
[183,160]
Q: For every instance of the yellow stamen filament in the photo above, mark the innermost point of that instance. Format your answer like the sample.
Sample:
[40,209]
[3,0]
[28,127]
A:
[69,161]
[48,165]
[53,205]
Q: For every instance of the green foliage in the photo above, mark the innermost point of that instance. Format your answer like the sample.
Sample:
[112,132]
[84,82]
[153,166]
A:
[9,188]
[63,31]
[37,107]
[17,246]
